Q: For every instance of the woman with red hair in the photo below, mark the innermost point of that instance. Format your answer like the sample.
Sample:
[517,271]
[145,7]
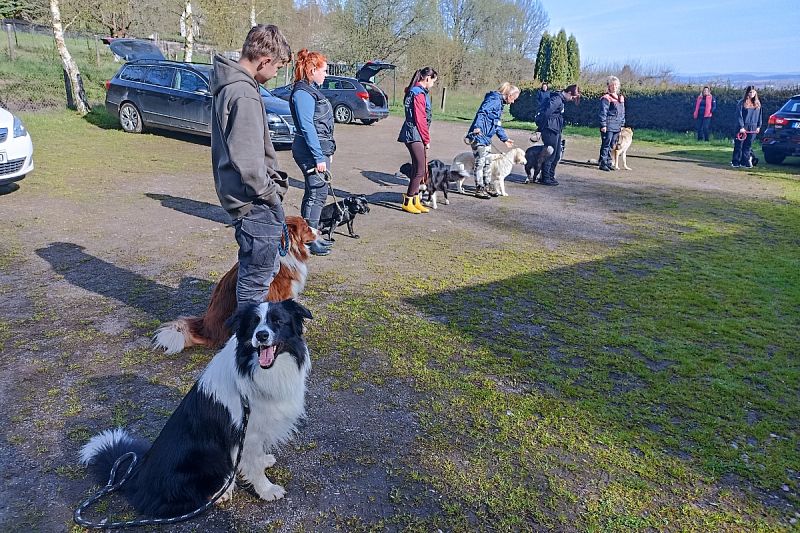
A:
[313,143]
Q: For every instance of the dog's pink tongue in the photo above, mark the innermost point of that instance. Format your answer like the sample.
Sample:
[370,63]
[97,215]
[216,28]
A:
[266,355]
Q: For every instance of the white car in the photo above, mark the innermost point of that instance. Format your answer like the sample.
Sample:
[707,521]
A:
[16,148]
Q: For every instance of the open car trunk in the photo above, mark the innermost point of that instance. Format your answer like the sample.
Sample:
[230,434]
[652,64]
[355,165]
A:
[376,96]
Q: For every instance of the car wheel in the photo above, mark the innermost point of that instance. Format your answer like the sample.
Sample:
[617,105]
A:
[129,118]
[773,158]
[343,114]
[368,121]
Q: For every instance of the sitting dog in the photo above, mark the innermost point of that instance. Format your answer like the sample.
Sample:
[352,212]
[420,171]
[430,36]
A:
[265,363]
[536,156]
[440,176]
[621,148]
[211,329]
[342,212]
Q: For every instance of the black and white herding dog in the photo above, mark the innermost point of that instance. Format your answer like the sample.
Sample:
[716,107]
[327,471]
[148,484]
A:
[193,457]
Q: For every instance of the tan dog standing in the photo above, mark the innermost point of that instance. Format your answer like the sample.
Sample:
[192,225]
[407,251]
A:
[621,148]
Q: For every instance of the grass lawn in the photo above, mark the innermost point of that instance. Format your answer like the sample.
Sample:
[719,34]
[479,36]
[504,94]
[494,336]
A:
[645,387]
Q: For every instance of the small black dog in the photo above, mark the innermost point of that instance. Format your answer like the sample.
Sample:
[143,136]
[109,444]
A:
[440,176]
[342,212]
[536,156]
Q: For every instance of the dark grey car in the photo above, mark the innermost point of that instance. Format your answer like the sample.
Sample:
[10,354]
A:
[352,98]
[172,95]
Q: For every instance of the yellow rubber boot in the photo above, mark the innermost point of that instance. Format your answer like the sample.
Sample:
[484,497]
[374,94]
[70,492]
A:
[408,205]
[418,204]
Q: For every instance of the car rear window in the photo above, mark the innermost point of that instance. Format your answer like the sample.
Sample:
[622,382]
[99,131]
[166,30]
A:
[161,76]
[189,81]
[132,73]
[331,85]
[792,106]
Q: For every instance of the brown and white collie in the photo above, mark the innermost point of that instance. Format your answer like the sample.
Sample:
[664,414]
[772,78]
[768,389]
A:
[210,329]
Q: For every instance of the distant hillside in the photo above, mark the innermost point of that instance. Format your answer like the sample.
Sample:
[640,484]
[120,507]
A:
[742,79]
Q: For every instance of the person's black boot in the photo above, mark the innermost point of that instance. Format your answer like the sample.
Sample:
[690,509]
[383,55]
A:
[549,181]
[481,193]
[317,248]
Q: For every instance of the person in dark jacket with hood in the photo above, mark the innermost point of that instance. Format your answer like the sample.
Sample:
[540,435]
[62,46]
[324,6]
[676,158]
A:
[748,116]
[551,123]
[313,144]
[543,94]
[487,124]
[415,133]
[704,108]
[612,119]
[246,176]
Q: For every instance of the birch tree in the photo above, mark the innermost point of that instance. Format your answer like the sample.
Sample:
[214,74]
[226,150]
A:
[71,68]
[188,19]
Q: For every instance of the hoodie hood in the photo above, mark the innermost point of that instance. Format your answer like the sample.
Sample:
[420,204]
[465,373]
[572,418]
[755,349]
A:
[228,72]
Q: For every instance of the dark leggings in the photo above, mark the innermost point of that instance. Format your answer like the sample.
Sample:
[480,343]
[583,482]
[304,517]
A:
[553,139]
[417,151]
[742,149]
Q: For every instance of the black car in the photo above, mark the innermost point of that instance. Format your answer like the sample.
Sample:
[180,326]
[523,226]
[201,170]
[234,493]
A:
[352,98]
[782,136]
[149,91]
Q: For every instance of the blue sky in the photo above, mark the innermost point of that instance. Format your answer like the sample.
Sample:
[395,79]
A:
[697,36]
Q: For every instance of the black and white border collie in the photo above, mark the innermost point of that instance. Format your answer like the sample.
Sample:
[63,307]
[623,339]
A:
[266,361]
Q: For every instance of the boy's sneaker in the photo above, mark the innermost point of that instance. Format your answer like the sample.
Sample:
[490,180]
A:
[480,192]
[735,165]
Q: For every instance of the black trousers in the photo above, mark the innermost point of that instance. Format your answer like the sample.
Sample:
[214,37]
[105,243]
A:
[607,141]
[703,127]
[553,139]
[742,150]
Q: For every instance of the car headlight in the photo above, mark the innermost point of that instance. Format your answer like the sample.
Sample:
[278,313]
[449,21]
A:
[272,118]
[19,128]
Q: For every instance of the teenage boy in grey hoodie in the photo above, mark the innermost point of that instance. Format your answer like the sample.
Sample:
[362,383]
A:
[249,185]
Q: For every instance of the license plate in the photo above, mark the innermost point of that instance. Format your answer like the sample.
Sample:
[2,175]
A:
[2,157]
[796,124]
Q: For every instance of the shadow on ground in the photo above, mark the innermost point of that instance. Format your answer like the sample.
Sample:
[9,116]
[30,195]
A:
[212,212]
[110,281]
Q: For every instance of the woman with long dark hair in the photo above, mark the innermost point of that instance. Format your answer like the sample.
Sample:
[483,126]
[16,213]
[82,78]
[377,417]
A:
[415,133]
[313,143]
[748,116]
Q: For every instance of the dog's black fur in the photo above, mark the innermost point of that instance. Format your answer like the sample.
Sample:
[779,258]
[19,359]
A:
[440,176]
[536,156]
[333,217]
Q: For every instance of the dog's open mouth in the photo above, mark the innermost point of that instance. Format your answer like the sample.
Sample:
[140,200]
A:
[266,356]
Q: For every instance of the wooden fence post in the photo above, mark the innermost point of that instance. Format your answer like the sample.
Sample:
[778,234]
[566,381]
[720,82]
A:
[444,98]
[11,54]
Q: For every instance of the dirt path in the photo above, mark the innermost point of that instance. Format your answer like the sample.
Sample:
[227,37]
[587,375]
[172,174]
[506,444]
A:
[90,266]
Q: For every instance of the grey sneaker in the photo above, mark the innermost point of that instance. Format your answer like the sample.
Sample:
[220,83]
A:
[481,193]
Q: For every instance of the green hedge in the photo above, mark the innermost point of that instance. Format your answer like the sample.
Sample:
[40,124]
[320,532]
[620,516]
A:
[660,109]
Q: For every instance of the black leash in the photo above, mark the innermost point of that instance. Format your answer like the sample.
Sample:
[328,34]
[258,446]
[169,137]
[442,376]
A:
[326,176]
[111,487]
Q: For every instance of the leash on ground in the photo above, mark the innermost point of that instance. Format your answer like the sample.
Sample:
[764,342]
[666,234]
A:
[111,487]
[742,135]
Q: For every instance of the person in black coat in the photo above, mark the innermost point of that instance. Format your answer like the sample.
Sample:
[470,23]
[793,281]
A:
[748,115]
[612,119]
[550,121]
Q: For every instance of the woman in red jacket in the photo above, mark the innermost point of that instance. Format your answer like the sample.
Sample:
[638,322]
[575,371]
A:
[415,133]
[704,108]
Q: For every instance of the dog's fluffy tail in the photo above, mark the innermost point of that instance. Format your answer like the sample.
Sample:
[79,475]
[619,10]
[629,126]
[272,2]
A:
[185,332]
[102,450]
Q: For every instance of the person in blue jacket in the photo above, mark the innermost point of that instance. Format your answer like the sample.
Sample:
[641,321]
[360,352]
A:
[748,116]
[612,119]
[486,125]
[550,120]
[313,144]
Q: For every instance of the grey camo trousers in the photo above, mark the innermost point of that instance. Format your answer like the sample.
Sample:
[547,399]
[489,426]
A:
[482,166]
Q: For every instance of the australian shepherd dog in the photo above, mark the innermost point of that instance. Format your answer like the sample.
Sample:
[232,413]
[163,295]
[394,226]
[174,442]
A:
[211,329]
[266,363]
